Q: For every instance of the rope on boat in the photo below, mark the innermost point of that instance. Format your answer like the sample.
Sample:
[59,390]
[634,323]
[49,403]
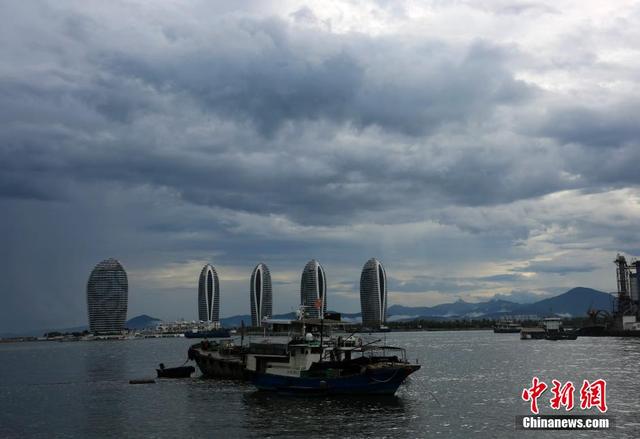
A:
[386,381]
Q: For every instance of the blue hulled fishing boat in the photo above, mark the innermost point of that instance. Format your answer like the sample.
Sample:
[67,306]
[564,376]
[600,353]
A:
[379,380]
[312,364]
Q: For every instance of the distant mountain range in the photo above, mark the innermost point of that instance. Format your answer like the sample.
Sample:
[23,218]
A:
[142,321]
[574,303]
[139,322]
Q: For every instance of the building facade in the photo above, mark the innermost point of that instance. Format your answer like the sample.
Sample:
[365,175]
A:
[107,297]
[209,295]
[373,294]
[313,289]
[261,294]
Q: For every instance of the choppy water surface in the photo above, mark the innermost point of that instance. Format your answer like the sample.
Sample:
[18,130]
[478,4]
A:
[470,384]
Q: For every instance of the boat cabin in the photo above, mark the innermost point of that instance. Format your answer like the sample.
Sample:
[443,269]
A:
[551,324]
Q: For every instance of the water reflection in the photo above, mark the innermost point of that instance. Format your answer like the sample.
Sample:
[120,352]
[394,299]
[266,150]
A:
[103,408]
[269,414]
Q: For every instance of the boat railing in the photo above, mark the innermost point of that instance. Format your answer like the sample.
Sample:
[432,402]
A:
[268,348]
[385,351]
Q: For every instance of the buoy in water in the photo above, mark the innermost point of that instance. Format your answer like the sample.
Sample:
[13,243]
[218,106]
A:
[142,381]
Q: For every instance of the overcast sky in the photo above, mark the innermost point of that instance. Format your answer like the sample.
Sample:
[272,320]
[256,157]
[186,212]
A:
[477,148]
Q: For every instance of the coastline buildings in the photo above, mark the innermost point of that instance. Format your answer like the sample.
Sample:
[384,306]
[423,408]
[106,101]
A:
[107,297]
[373,294]
[209,295]
[261,294]
[313,289]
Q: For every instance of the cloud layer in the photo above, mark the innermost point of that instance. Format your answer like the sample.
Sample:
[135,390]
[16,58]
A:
[476,148]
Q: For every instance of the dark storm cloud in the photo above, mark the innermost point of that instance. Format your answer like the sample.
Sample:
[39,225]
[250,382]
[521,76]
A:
[279,79]
[278,74]
[87,126]
[604,167]
[15,186]
[607,126]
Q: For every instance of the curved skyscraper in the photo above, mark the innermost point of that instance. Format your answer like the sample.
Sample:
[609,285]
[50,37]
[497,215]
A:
[313,288]
[373,294]
[107,296]
[209,295]
[261,294]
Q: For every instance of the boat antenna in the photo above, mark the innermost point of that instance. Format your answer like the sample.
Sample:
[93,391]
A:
[353,333]
[366,344]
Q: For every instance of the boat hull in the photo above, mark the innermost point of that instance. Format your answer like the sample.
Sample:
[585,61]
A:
[214,364]
[176,372]
[377,381]
[561,336]
[506,330]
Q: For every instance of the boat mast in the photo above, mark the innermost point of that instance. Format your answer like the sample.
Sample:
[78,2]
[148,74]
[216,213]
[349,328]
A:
[318,305]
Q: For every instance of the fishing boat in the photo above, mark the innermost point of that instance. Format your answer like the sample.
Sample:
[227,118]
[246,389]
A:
[507,327]
[549,329]
[219,359]
[532,333]
[312,363]
[175,372]
[554,330]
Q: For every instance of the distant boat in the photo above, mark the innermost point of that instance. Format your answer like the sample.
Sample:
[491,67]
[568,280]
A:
[507,328]
[208,333]
[549,329]
[555,331]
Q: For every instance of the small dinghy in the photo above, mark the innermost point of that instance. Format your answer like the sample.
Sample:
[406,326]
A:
[175,372]
[142,381]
